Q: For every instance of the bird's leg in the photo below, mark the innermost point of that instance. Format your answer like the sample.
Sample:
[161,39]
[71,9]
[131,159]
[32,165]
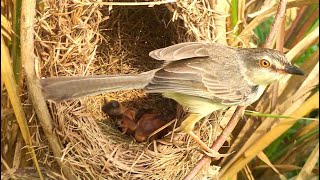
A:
[187,126]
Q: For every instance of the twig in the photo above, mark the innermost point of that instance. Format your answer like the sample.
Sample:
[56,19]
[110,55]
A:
[219,142]
[279,47]
[17,152]
[27,48]
[278,19]
[259,19]
[5,164]
[16,58]
[240,109]
[309,164]
[303,44]
[305,24]
[294,24]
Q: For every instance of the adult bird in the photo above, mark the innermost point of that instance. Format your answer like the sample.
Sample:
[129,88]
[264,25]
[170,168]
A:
[203,77]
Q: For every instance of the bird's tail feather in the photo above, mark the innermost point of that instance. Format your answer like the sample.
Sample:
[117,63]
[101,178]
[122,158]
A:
[62,88]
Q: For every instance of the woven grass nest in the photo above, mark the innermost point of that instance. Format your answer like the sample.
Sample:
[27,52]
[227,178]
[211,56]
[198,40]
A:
[83,38]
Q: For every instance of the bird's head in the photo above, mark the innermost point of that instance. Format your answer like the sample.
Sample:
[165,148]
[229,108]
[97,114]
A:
[264,66]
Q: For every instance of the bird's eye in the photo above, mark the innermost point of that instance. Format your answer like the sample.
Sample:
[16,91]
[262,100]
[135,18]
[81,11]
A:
[264,63]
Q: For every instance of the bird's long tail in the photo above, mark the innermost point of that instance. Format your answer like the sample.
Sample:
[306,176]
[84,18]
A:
[62,88]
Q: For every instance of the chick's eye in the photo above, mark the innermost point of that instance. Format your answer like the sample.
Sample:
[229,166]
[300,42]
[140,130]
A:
[264,63]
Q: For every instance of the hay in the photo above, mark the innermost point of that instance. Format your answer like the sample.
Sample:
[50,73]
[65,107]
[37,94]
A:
[79,39]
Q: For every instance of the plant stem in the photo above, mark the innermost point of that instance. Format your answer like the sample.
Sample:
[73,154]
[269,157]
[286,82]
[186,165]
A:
[28,13]
[15,50]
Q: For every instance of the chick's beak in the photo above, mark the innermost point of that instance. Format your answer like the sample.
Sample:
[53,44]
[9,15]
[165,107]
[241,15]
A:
[293,70]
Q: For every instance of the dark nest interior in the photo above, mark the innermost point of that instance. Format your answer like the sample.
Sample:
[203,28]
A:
[77,39]
[130,34]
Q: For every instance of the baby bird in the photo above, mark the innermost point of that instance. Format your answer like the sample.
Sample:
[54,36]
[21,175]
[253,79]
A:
[125,117]
[113,109]
[138,124]
[127,123]
[147,124]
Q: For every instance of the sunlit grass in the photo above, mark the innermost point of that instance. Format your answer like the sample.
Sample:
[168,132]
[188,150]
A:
[288,141]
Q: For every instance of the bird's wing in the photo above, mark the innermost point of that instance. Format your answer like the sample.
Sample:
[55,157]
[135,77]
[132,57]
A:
[226,82]
[183,51]
[216,78]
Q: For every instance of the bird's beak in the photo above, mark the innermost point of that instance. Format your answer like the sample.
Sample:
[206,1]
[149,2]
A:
[293,70]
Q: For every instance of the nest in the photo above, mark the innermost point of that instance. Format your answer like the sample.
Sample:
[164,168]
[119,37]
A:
[81,38]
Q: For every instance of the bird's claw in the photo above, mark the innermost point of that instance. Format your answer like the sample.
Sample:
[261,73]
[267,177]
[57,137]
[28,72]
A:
[215,154]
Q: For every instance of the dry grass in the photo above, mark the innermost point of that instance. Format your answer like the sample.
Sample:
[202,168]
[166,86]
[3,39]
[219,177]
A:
[86,40]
